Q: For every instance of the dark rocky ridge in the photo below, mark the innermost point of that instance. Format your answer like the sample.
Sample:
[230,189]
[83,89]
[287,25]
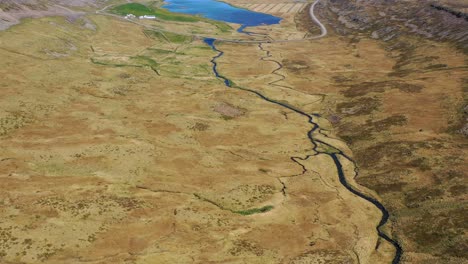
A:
[421,181]
[12,11]
[451,11]
[388,19]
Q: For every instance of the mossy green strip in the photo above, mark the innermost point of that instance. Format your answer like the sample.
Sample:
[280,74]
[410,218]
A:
[113,64]
[167,36]
[252,211]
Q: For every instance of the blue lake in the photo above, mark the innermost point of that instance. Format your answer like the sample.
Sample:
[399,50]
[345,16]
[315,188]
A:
[221,11]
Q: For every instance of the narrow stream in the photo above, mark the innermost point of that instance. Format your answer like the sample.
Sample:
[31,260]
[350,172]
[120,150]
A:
[315,142]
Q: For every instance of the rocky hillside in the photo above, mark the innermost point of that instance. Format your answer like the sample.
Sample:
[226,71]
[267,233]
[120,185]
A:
[388,19]
[407,125]
[12,11]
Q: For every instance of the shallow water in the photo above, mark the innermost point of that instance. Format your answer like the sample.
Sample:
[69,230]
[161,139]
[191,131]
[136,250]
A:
[221,11]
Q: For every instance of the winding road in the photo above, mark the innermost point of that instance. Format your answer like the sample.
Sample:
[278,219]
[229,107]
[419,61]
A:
[322,27]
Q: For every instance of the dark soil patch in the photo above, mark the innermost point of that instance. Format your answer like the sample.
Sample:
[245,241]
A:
[457,190]
[341,79]
[385,124]
[436,67]
[364,88]
[352,132]
[386,181]
[416,196]
[361,106]
[244,246]
[328,256]
[439,233]
[369,157]
[229,111]
[199,127]
[295,66]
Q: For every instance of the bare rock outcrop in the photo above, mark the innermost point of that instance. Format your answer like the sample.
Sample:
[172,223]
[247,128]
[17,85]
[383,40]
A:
[387,20]
[12,11]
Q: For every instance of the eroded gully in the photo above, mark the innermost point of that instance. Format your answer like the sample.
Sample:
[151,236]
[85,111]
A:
[335,156]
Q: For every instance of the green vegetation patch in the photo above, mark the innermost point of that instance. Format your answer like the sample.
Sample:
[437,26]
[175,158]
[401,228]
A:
[141,10]
[133,8]
[230,82]
[223,27]
[329,149]
[252,211]
[135,61]
[167,36]
[108,63]
[160,51]
[164,14]
[145,60]
[203,47]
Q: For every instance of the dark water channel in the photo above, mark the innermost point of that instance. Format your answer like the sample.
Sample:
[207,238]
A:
[224,12]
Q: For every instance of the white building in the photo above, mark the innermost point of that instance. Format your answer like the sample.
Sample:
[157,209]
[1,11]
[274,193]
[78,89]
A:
[130,16]
[147,17]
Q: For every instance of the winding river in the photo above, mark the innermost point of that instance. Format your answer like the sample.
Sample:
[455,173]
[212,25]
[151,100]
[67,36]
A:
[224,12]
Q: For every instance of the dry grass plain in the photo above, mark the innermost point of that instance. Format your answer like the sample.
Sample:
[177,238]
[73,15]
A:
[118,145]
[399,128]
[399,107]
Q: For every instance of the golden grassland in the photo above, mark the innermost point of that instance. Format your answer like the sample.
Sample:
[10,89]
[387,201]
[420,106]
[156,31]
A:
[121,146]
[398,105]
